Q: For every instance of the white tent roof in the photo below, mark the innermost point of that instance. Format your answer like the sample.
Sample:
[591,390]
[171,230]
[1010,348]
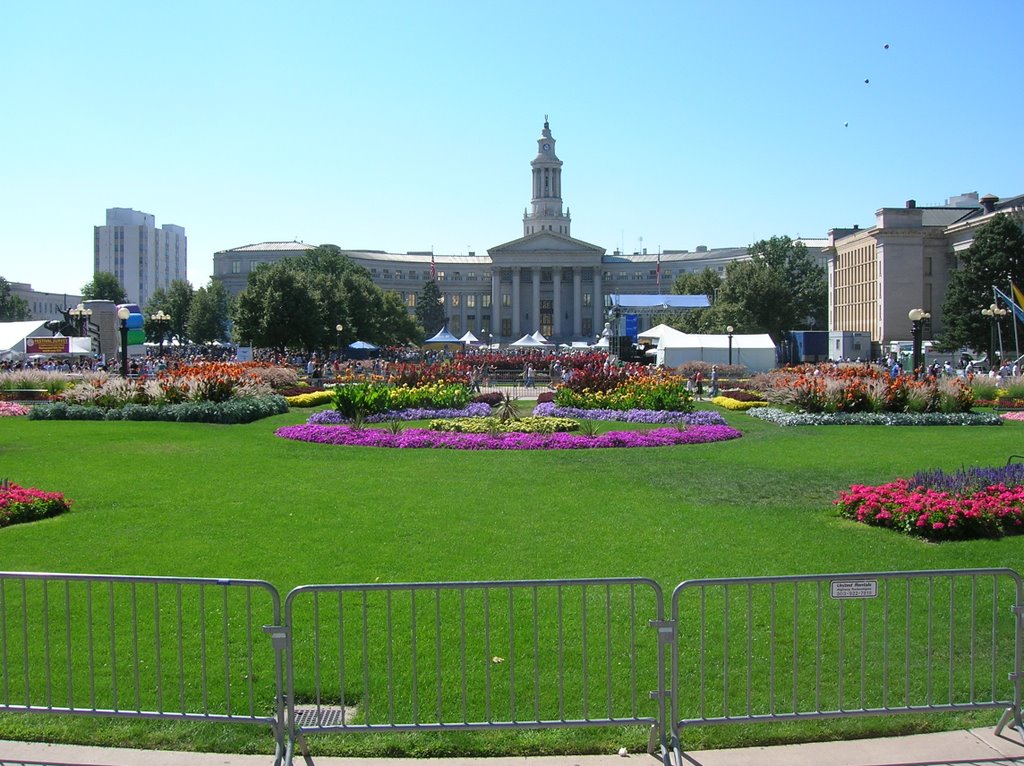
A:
[528,341]
[686,340]
[657,332]
[13,334]
[469,337]
[540,338]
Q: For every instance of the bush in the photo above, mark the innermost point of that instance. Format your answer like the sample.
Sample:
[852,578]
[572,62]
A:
[233,411]
[493,399]
[525,425]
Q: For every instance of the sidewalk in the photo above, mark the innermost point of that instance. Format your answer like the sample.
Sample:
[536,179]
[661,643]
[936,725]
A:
[973,747]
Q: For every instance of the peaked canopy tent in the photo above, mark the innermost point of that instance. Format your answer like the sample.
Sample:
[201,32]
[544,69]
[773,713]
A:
[361,349]
[755,352]
[470,339]
[444,339]
[529,341]
[656,333]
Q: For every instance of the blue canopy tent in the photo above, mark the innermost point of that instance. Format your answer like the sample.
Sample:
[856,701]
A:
[444,339]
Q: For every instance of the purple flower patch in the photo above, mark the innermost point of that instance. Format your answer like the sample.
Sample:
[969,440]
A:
[420,438]
[696,418]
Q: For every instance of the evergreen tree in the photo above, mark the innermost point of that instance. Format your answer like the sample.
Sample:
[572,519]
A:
[104,286]
[430,308]
[995,258]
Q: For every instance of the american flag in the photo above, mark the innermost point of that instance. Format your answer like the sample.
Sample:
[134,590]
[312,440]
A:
[657,271]
[433,269]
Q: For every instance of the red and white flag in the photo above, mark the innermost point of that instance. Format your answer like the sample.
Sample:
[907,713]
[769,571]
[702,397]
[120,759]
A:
[433,269]
[657,271]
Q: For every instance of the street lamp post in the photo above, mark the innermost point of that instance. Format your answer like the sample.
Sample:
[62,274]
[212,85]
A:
[81,316]
[339,328]
[122,315]
[995,313]
[162,321]
[917,319]
[729,329]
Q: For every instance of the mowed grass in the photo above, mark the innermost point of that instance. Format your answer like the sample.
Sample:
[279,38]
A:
[235,501]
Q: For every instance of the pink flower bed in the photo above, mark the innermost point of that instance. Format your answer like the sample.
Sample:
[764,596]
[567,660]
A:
[10,409]
[1013,415]
[20,504]
[420,438]
[989,511]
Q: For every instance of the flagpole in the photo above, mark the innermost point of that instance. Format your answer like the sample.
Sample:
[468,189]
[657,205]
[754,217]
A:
[1016,338]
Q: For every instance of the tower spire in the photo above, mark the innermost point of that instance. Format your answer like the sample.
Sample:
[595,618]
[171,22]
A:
[546,199]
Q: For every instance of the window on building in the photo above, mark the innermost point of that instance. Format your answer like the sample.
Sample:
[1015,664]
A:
[471,276]
[373,273]
[606,275]
[506,300]
[236,267]
[622,275]
[928,266]
[506,327]
[525,275]
[410,300]
[545,276]
[506,275]
[587,326]
[470,301]
[588,299]
[637,275]
[440,276]
[398,273]
[653,274]
[455,300]
[588,275]
[387,274]
[567,275]
[456,276]
[412,273]
[485,301]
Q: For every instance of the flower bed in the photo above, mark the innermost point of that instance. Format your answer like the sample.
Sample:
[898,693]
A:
[696,418]
[335,418]
[615,390]
[737,405]
[22,504]
[978,502]
[10,409]
[309,399]
[1012,416]
[490,425]
[785,418]
[419,438]
[857,388]
[243,410]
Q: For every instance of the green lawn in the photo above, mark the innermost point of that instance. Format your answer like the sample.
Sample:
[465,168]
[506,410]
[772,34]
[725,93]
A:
[234,501]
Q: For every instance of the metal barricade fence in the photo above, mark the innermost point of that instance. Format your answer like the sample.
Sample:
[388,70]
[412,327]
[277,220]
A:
[473,655]
[141,647]
[825,646]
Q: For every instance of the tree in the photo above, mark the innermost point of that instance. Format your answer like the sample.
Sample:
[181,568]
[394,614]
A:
[13,308]
[208,313]
[179,304]
[298,303]
[995,258]
[430,308]
[780,288]
[104,287]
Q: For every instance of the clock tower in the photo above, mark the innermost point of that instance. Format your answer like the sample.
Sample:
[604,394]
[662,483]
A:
[546,201]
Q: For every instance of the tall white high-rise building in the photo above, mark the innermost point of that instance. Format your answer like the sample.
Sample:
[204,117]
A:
[140,255]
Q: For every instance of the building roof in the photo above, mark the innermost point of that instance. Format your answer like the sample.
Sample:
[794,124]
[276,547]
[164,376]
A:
[270,247]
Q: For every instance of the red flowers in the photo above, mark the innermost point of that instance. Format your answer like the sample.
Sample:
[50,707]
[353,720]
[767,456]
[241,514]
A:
[19,504]
[991,511]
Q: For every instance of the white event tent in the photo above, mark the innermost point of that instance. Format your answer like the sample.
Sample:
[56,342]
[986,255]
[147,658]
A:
[755,352]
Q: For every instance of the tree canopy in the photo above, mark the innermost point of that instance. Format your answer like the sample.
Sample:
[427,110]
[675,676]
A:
[13,308]
[208,313]
[780,288]
[176,302]
[430,308]
[104,286]
[298,302]
[706,282]
[995,258]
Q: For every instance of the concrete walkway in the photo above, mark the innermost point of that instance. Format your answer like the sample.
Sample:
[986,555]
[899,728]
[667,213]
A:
[974,747]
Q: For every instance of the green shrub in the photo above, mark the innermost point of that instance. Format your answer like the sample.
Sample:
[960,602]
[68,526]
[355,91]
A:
[245,410]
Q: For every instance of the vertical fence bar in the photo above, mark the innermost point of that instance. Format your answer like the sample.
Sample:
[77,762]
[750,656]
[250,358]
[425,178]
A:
[725,654]
[367,694]
[181,647]
[586,654]
[536,653]
[412,653]
[885,643]
[111,627]
[796,647]
[952,639]
[90,645]
[70,681]
[136,659]
[341,656]
[46,644]
[561,657]
[437,655]
[974,631]
[227,651]
[156,652]
[750,648]
[817,652]
[487,654]
[608,649]
[203,649]
[931,634]
[462,653]
[389,640]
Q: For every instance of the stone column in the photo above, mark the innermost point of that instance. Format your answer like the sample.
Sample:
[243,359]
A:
[515,303]
[577,304]
[534,323]
[495,302]
[556,301]
[598,298]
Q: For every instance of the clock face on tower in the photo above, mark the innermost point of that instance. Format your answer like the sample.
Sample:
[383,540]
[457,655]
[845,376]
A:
[547,147]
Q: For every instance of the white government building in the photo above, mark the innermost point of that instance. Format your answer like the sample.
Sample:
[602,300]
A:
[545,280]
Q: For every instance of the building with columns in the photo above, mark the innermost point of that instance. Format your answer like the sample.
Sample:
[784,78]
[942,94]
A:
[545,280]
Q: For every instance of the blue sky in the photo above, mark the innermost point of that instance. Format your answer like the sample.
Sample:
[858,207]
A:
[410,125]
